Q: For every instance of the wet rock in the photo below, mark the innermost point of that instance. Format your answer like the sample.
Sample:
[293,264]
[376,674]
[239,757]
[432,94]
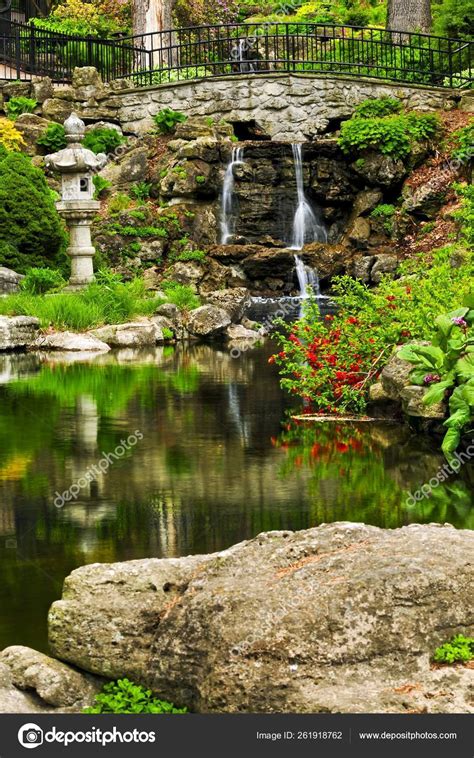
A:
[236,332]
[129,169]
[9,281]
[338,618]
[413,405]
[71,341]
[189,273]
[384,264]
[382,170]
[362,267]
[132,334]
[205,148]
[395,375]
[56,683]
[208,321]
[18,332]
[359,232]
[328,260]
[235,301]
[366,201]
[163,325]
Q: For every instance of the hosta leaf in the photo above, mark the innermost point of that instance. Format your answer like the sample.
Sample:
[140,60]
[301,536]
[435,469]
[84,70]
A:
[457,401]
[458,419]
[436,392]
[450,442]
[465,367]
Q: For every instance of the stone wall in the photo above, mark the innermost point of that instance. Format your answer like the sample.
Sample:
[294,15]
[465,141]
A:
[286,107]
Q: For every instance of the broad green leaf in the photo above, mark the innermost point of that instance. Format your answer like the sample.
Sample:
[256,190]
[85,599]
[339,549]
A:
[450,442]
[457,401]
[465,367]
[436,392]
[458,419]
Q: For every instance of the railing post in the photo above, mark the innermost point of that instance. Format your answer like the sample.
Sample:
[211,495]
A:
[450,63]
[32,56]
[18,53]
[287,44]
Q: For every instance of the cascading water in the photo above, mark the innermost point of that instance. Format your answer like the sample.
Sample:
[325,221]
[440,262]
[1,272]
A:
[308,279]
[307,227]
[228,219]
[239,54]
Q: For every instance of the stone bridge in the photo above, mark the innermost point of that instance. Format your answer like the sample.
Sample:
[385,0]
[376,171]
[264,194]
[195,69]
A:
[287,107]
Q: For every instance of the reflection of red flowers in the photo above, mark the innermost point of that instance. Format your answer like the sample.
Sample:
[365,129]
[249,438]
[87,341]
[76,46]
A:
[341,447]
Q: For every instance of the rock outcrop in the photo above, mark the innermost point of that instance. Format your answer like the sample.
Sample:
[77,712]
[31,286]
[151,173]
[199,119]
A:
[17,332]
[9,281]
[340,618]
[208,321]
[70,341]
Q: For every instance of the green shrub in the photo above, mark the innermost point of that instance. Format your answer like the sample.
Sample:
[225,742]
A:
[181,295]
[53,139]
[101,185]
[461,80]
[454,18]
[464,150]
[377,108]
[167,120]
[29,221]
[459,649]
[40,280]
[18,105]
[103,140]
[392,135]
[124,696]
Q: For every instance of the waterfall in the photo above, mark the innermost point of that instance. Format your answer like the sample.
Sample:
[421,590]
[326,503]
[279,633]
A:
[307,227]
[239,54]
[308,279]
[228,219]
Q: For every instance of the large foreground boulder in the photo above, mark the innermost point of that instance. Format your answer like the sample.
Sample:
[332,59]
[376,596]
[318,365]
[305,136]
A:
[17,332]
[342,617]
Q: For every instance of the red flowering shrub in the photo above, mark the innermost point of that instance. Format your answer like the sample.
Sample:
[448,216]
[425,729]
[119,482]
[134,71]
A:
[332,362]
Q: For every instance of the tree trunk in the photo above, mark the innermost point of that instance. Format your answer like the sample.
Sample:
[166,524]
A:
[153,20]
[409,15]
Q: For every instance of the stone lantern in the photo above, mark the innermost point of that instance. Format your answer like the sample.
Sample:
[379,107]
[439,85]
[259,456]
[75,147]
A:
[77,206]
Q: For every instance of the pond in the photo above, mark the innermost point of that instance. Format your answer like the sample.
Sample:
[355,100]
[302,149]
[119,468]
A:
[178,451]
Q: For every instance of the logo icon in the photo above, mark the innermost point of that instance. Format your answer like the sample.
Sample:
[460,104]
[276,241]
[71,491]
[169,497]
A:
[30,736]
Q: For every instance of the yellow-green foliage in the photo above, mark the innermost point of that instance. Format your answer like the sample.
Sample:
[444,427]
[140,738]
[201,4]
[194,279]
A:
[10,137]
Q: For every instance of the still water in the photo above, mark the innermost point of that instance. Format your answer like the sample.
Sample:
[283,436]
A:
[213,458]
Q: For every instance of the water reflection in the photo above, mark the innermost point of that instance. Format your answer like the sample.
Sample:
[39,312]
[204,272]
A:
[214,467]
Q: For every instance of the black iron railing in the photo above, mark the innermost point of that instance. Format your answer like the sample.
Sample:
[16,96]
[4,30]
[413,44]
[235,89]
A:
[27,51]
[245,49]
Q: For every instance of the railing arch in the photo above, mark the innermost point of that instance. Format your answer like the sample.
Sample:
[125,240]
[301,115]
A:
[241,49]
